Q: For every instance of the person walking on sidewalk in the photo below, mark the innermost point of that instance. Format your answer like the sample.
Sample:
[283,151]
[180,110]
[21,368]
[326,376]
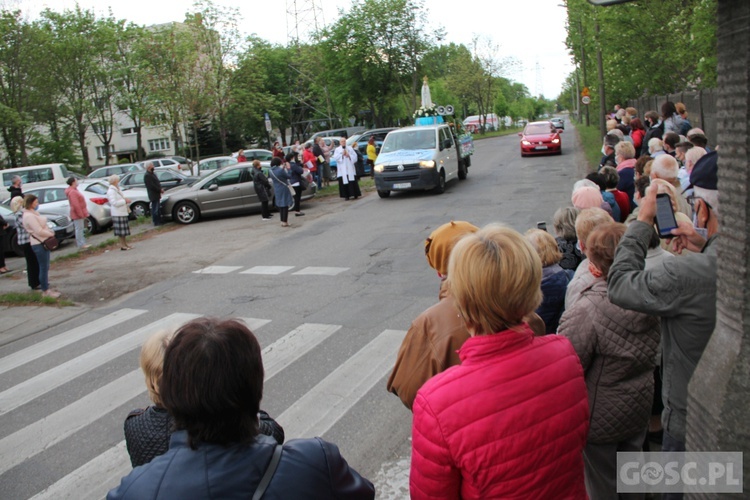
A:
[78,211]
[36,226]
[263,189]
[153,186]
[32,266]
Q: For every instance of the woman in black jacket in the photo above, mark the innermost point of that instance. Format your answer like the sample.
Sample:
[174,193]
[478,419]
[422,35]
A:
[296,172]
[263,189]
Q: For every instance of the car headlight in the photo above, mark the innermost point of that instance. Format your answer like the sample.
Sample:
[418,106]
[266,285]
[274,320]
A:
[378,168]
[427,164]
[526,143]
[555,141]
[51,224]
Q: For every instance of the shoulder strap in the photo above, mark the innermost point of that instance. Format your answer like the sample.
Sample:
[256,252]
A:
[270,471]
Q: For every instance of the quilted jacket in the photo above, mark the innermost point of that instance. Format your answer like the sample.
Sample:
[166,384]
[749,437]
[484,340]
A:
[509,422]
[617,348]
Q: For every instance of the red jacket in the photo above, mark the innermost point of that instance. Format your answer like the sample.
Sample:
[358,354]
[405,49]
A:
[309,157]
[509,422]
[623,201]
[78,208]
[637,136]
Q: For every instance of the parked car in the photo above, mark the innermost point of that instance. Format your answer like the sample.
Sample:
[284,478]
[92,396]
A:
[211,165]
[119,170]
[168,177]
[540,138]
[60,224]
[34,176]
[226,191]
[183,164]
[558,122]
[263,155]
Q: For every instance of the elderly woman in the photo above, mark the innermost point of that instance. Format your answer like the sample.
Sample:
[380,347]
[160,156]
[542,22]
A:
[32,266]
[511,420]
[554,278]
[617,348]
[216,450]
[281,177]
[36,226]
[120,206]
[564,222]
[147,430]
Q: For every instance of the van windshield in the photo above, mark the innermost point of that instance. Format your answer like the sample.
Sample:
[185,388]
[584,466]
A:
[410,140]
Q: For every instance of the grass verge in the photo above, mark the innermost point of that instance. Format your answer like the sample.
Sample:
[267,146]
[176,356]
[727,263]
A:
[591,142]
[365,184]
[31,299]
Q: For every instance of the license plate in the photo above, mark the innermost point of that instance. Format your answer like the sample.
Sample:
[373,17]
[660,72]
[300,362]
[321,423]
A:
[541,147]
[403,185]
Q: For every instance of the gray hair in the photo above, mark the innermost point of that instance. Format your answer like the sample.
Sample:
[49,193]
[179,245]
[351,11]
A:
[564,222]
[113,179]
[15,179]
[655,144]
[665,167]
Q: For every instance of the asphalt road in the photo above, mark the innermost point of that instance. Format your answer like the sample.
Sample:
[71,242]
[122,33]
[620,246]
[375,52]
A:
[329,300]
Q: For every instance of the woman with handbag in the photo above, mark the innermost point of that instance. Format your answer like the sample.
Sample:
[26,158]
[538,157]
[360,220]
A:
[297,179]
[282,189]
[120,210]
[36,226]
[23,238]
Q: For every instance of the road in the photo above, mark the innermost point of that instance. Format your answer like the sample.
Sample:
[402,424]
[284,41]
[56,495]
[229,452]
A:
[329,300]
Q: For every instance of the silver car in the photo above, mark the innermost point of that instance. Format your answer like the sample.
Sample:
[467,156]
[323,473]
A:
[211,165]
[227,191]
[119,170]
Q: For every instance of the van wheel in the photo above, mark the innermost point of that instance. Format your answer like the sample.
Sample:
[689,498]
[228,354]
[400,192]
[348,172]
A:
[440,188]
[463,171]
[384,194]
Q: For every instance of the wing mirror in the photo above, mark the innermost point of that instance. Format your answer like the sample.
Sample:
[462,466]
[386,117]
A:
[213,187]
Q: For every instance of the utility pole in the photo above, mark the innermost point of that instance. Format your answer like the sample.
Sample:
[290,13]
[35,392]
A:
[602,103]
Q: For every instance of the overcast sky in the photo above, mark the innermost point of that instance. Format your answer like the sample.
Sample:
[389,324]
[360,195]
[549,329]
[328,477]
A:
[531,31]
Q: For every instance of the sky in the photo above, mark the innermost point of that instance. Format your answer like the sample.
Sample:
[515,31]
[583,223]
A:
[530,31]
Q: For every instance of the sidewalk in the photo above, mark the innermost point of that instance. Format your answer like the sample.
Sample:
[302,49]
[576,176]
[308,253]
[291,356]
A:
[22,321]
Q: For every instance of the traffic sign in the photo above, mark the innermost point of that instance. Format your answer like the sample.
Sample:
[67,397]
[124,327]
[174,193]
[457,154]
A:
[586,99]
[268,122]
[585,92]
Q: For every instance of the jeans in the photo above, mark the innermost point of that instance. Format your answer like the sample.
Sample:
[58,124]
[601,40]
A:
[156,212]
[669,443]
[80,238]
[32,266]
[42,256]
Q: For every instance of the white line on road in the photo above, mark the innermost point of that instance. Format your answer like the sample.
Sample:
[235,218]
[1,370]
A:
[321,271]
[59,341]
[34,387]
[318,410]
[217,270]
[294,345]
[267,270]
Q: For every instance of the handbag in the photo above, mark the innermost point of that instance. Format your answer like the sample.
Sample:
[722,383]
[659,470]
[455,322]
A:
[49,244]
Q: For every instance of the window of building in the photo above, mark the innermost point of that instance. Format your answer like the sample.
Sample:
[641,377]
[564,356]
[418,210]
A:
[161,144]
[100,151]
[128,131]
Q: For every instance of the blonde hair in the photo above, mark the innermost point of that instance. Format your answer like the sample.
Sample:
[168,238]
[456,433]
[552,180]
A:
[625,149]
[588,219]
[495,276]
[601,246]
[16,203]
[152,361]
[114,179]
[545,246]
[611,124]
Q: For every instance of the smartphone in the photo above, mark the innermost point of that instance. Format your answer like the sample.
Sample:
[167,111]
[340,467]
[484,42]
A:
[541,225]
[665,219]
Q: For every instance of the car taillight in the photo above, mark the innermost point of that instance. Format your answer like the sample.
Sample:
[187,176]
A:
[99,201]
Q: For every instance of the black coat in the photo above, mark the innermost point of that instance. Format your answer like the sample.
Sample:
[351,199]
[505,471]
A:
[262,185]
[153,186]
[652,132]
[14,191]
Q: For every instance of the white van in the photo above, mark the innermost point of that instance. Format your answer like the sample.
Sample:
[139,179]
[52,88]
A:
[34,176]
[420,158]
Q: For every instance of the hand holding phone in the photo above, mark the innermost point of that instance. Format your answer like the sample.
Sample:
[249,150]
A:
[665,218]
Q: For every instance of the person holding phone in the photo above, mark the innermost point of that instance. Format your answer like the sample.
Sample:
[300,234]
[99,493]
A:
[682,291]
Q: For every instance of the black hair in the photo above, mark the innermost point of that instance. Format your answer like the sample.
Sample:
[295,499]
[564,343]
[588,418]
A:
[597,179]
[668,109]
[275,161]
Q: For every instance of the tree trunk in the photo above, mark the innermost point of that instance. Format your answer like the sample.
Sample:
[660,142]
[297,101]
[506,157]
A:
[718,406]
[81,135]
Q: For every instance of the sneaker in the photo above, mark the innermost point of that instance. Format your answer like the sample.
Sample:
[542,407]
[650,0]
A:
[266,218]
[84,247]
[51,293]
[299,214]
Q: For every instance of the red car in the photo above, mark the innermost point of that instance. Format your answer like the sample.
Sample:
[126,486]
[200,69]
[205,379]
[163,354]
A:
[540,138]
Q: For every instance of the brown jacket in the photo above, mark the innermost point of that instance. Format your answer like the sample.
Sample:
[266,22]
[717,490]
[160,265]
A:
[430,346]
[617,348]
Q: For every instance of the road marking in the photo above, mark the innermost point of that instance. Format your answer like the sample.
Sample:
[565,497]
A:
[59,341]
[255,323]
[321,271]
[318,410]
[267,270]
[217,270]
[294,345]
[34,387]
[92,480]
[52,429]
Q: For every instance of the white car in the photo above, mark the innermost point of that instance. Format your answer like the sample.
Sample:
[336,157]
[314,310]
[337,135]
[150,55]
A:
[119,170]
[211,165]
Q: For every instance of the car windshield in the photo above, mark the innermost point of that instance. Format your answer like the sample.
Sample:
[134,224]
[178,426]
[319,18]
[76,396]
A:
[96,188]
[412,139]
[537,129]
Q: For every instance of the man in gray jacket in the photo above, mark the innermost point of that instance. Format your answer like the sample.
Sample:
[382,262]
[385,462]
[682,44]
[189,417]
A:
[682,291]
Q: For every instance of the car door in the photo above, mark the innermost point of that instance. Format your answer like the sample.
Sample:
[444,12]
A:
[136,179]
[448,155]
[53,200]
[223,193]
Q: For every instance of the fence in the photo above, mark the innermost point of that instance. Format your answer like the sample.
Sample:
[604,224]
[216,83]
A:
[700,104]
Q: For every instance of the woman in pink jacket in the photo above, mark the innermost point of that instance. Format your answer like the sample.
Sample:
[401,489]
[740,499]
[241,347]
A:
[78,211]
[511,420]
[36,225]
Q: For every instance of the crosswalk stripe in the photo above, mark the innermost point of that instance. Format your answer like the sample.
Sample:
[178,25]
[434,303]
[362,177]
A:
[255,323]
[92,480]
[294,345]
[59,341]
[217,270]
[318,410]
[95,478]
[44,433]
[267,270]
[321,271]
[34,387]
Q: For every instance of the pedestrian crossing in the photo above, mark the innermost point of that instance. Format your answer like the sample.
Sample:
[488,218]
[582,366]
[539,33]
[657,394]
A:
[274,270]
[313,414]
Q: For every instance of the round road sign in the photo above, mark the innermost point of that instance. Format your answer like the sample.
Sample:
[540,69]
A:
[586,99]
